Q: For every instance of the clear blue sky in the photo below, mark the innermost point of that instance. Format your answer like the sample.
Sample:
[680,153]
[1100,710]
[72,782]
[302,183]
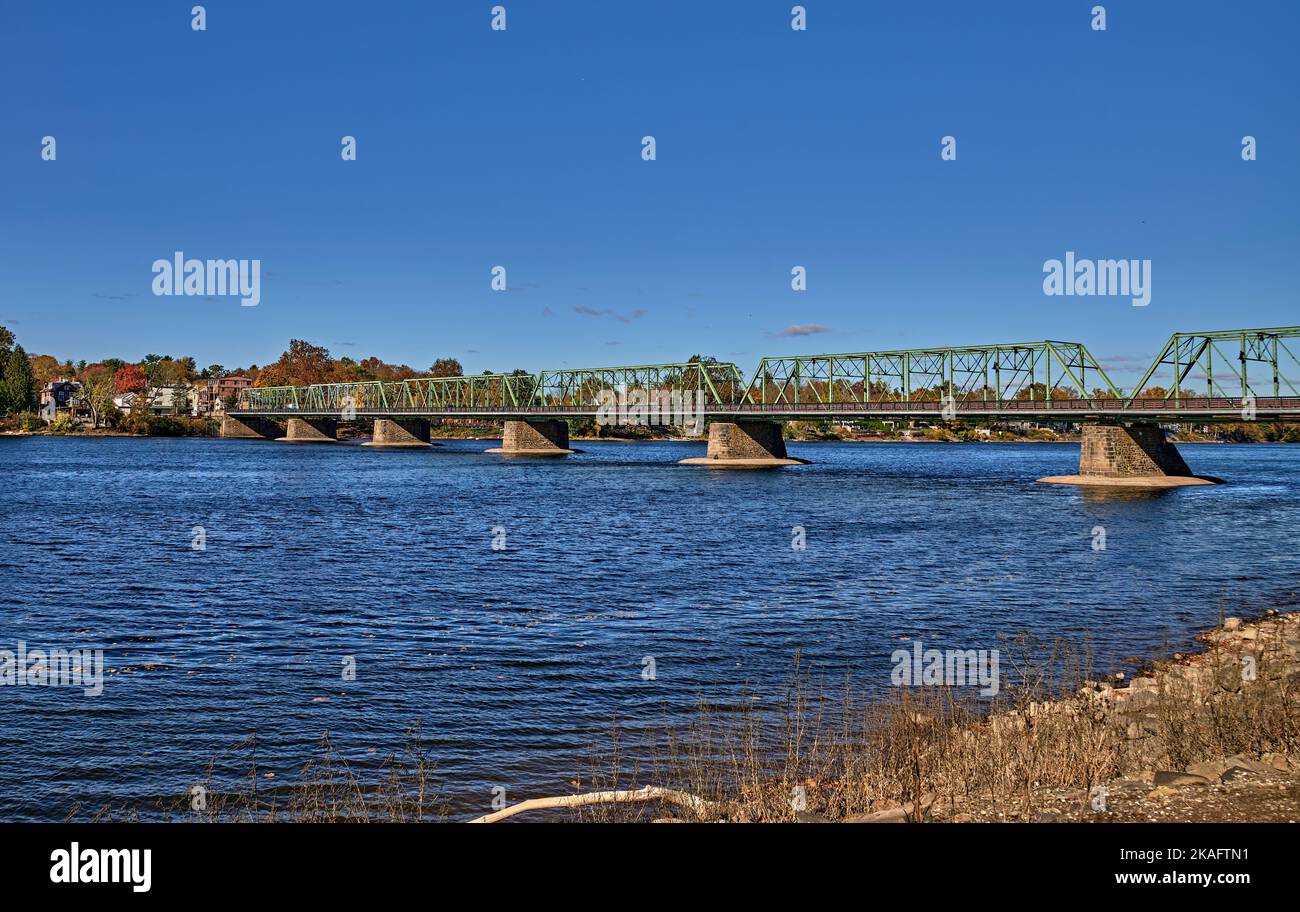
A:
[775,148]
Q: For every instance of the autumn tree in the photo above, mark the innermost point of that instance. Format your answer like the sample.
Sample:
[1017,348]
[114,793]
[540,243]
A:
[378,369]
[345,370]
[302,365]
[45,368]
[177,375]
[129,379]
[98,384]
[446,367]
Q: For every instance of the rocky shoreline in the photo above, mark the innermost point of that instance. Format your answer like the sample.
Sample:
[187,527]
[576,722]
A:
[1159,730]
[1205,737]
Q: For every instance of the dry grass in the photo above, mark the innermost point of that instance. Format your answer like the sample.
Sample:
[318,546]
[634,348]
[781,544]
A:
[327,790]
[815,754]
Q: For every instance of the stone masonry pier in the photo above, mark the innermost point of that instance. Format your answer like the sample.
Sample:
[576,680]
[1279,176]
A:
[249,426]
[400,432]
[745,445]
[535,438]
[311,430]
[1135,456]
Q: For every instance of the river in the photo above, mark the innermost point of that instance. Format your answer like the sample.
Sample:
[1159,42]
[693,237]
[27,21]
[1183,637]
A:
[507,607]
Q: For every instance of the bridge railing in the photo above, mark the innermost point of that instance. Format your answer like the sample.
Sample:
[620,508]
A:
[1218,409]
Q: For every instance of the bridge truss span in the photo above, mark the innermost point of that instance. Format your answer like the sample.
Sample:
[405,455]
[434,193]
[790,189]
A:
[711,385]
[1228,375]
[986,373]
[1221,363]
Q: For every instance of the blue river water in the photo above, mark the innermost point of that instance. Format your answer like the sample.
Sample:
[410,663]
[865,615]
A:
[514,660]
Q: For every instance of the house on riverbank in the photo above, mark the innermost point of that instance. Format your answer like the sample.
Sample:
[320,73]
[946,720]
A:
[212,395]
[165,400]
[61,396]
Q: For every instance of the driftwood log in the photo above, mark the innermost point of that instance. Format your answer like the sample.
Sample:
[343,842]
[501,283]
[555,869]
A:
[648,793]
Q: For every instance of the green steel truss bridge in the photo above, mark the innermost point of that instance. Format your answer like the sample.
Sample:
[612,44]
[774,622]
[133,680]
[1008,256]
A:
[1228,375]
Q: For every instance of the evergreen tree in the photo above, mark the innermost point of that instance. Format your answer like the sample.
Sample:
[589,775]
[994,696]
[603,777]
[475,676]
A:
[6,340]
[16,384]
[4,383]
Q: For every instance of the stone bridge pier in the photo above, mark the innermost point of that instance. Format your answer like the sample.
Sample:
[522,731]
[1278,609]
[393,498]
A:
[311,430]
[400,432]
[1129,456]
[535,438]
[249,426]
[745,445]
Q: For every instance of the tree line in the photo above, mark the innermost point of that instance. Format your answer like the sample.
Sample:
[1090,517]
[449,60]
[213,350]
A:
[304,364]
[301,364]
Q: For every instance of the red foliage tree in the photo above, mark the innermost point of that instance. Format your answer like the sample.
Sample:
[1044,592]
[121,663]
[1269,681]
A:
[302,365]
[129,379]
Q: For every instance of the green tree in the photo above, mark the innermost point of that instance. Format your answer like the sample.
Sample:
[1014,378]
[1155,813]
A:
[16,385]
[6,342]
[525,386]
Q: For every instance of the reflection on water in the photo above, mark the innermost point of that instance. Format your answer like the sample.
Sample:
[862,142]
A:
[514,661]
[1101,494]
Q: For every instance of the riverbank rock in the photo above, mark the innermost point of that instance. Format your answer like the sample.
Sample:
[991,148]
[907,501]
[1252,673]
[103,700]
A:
[1211,769]
[1175,779]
